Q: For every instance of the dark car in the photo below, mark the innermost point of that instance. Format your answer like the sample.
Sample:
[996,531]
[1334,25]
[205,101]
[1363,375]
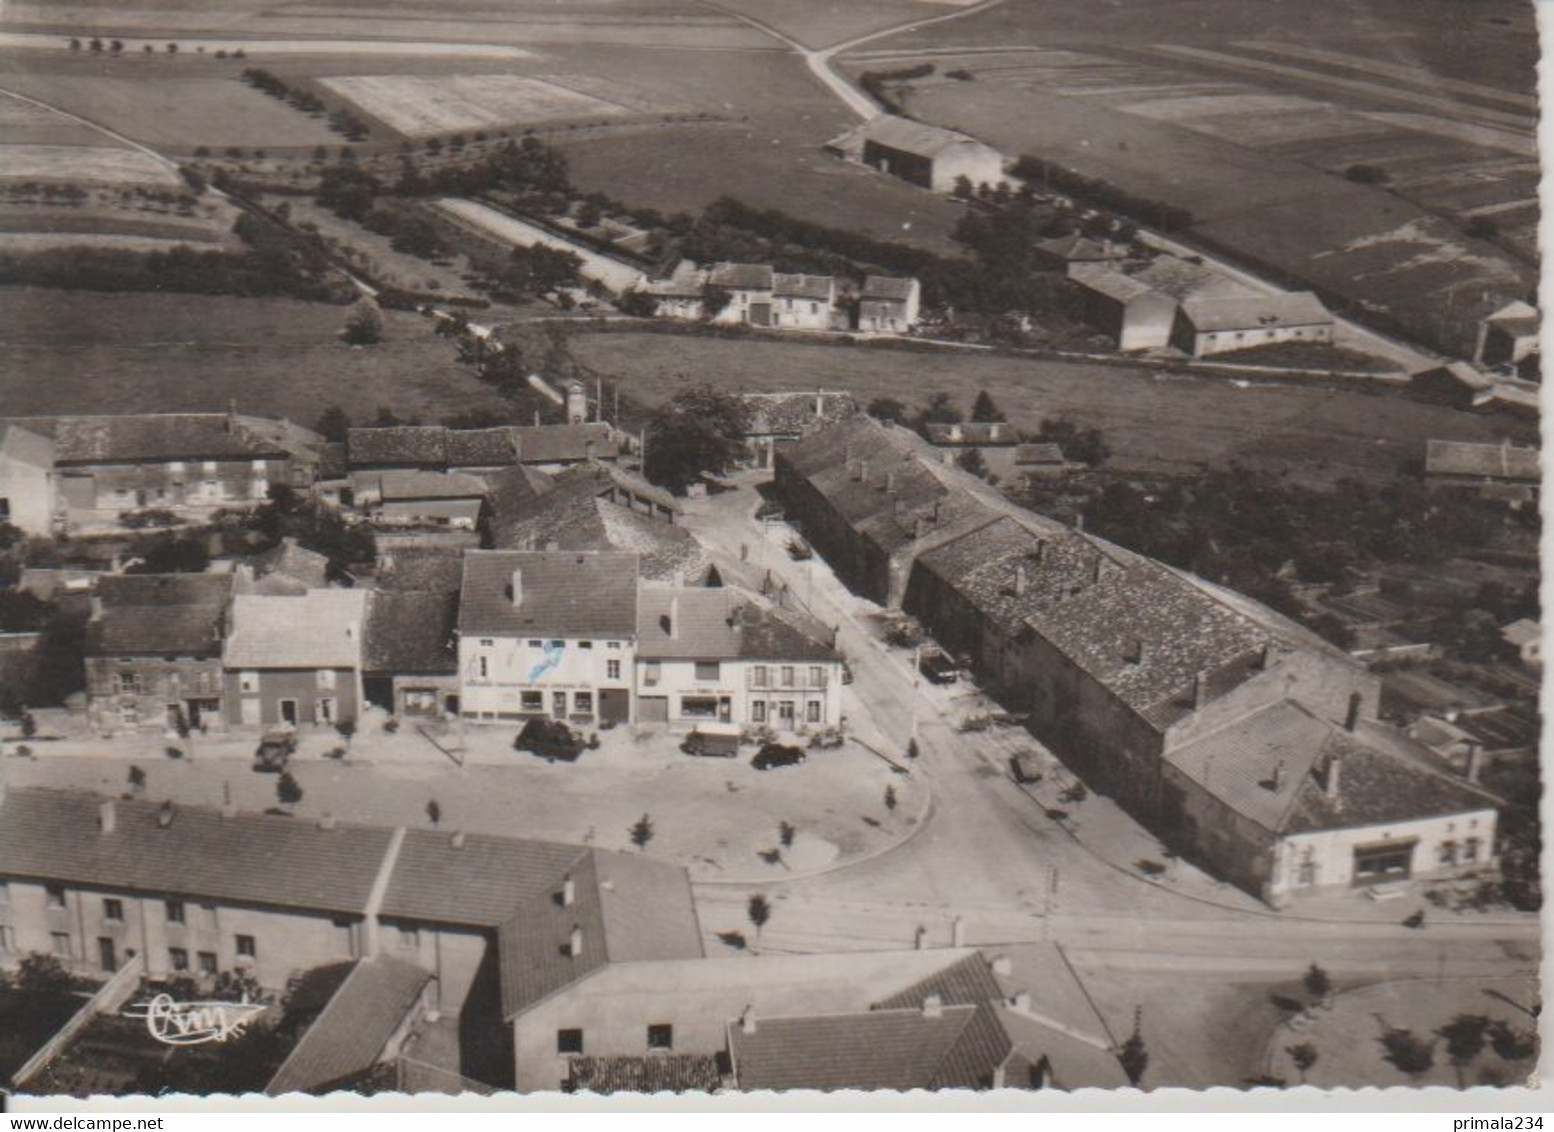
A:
[777,754]
[799,550]
[550,739]
[274,751]
[939,668]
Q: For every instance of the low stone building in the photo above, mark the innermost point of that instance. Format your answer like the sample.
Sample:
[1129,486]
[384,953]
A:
[931,157]
[889,304]
[1207,326]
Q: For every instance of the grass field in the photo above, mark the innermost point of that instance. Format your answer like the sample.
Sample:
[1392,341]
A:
[1153,424]
[78,164]
[418,106]
[77,352]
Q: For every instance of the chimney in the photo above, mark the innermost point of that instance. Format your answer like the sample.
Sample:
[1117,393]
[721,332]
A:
[674,618]
[1020,579]
[1330,785]
[568,891]
[820,403]
[1003,965]
[1021,1001]
[1200,688]
[1136,651]
[1352,716]
[1040,553]
[747,1020]
[575,942]
[457,840]
[933,1006]
[107,816]
[958,932]
[1276,782]
[327,821]
[890,482]
[517,587]
[1475,762]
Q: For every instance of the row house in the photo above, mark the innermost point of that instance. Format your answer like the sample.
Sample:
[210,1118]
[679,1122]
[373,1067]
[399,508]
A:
[433,448]
[153,651]
[803,302]
[189,464]
[711,655]
[748,287]
[291,660]
[889,304]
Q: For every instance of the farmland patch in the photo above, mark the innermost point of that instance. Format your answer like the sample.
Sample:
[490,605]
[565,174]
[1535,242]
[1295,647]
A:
[419,106]
[90,164]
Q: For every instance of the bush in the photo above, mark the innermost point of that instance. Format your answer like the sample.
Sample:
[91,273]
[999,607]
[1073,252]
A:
[1367,175]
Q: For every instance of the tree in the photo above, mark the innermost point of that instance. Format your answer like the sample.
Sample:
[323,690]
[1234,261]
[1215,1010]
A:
[714,300]
[288,791]
[971,460]
[786,833]
[912,749]
[939,409]
[333,424]
[759,909]
[364,323]
[1511,1044]
[41,977]
[116,47]
[1317,983]
[347,730]
[1134,1058]
[699,430]
[890,798]
[983,408]
[96,45]
[1304,1056]
[137,779]
[642,832]
[347,190]
[637,304]
[888,409]
[75,44]
[1465,1037]
[962,189]
[433,812]
[172,49]
[1407,1053]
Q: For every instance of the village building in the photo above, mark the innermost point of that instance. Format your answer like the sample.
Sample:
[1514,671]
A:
[410,663]
[294,660]
[889,304]
[1041,459]
[680,294]
[716,656]
[1129,311]
[777,418]
[548,634]
[286,568]
[1526,637]
[28,500]
[1206,326]
[1060,253]
[803,302]
[153,651]
[972,434]
[432,448]
[748,288]
[1510,337]
[494,924]
[188,464]
[419,508]
[928,156]
[1506,472]
[1457,384]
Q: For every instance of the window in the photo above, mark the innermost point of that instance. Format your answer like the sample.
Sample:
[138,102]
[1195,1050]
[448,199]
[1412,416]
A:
[207,962]
[1448,852]
[569,1042]
[612,644]
[760,676]
[583,703]
[787,676]
[487,643]
[612,670]
[56,895]
[651,672]
[707,671]
[247,948]
[178,958]
[7,938]
[585,644]
[699,707]
[660,1036]
[758,711]
[485,668]
[409,939]
[248,682]
[325,709]
[61,943]
[326,677]
[1470,849]
[129,683]
[533,701]
[817,676]
[812,711]
[113,910]
[536,644]
[175,912]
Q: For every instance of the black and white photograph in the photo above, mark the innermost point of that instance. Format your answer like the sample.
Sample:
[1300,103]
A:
[707,548]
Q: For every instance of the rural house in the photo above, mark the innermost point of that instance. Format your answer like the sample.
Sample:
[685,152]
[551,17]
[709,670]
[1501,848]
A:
[1509,337]
[748,287]
[190,464]
[417,508]
[153,651]
[680,294]
[928,156]
[27,491]
[436,449]
[547,634]
[803,302]
[713,655]
[972,434]
[1206,326]
[889,304]
[1130,312]
[293,660]
[776,418]
[1041,459]
[410,663]
[1061,253]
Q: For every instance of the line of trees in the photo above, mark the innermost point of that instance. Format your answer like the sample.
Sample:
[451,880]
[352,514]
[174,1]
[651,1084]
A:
[1094,190]
[341,121]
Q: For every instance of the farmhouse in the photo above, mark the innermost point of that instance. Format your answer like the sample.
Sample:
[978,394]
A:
[153,651]
[1135,315]
[928,156]
[748,287]
[293,660]
[1457,384]
[1509,337]
[972,434]
[547,634]
[681,294]
[803,302]
[190,464]
[1061,253]
[889,304]
[432,448]
[712,655]
[1502,471]
[1215,326]
[27,496]
[776,418]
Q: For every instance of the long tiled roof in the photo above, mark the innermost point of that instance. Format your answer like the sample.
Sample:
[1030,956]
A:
[317,629]
[480,447]
[887,288]
[159,615]
[913,137]
[1256,312]
[401,446]
[160,437]
[54,835]
[563,443]
[479,881]
[410,632]
[415,484]
[1497,461]
[818,287]
[565,593]
[794,414]
[420,569]
[351,1034]
[1114,284]
[742,276]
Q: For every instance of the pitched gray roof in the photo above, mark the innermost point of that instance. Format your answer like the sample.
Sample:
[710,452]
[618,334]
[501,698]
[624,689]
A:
[913,137]
[1257,312]
[888,288]
[159,615]
[564,593]
[742,276]
[410,632]
[315,629]
[159,437]
[1490,461]
[480,882]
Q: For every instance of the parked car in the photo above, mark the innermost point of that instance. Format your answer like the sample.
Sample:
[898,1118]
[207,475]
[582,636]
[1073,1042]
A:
[799,550]
[551,739]
[939,668]
[827,739]
[777,754]
[274,750]
[719,740]
[1026,766]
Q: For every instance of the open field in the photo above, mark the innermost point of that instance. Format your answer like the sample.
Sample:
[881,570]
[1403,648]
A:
[821,23]
[78,352]
[40,41]
[617,275]
[418,106]
[89,164]
[1153,423]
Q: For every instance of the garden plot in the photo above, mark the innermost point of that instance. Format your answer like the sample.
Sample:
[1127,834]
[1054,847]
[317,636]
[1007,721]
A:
[419,106]
[92,164]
